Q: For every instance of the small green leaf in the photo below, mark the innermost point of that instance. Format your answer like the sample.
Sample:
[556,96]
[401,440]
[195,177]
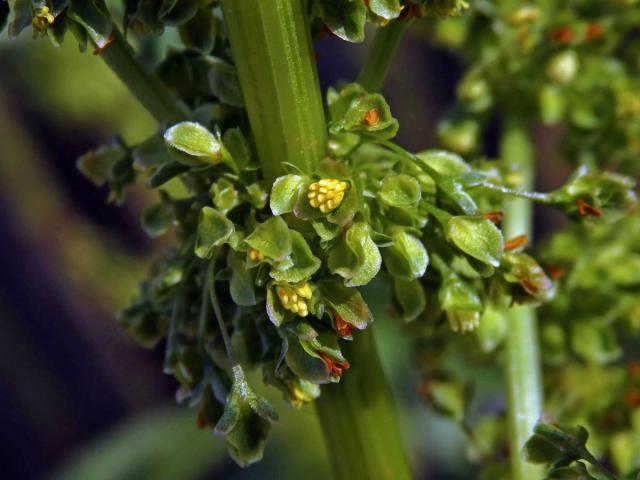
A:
[94,17]
[199,33]
[302,265]
[285,193]
[477,237]
[21,13]
[275,311]
[347,302]
[554,444]
[237,147]
[271,238]
[214,229]
[400,191]
[198,143]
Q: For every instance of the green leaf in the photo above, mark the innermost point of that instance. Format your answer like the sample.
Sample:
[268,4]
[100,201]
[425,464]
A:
[400,191]
[347,302]
[407,258]
[214,229]
[271,238]
[302,265]
[387,9]
[477,237]
[177,12]
[345,18]
[246,421]
[575,472]
[285,193]
[410,298]
[356,258]
[198,143]
[224,83]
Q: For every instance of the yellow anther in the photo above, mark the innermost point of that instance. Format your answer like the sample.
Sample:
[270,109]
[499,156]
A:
[326,194]
[45,14]
[256,255]
[294,298]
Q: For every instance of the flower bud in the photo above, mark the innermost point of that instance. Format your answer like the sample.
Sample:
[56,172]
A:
[461,303]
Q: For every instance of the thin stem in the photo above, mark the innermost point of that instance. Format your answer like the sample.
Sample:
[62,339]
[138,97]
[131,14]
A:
[204,311]
[144,85]
[273,54]
[358,421]
[542,198]
[211,273]
[522,357]
[380,54]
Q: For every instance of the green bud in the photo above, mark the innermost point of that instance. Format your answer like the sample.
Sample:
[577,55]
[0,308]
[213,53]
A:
[461,303]
[246,421]
[193,145]
[526,280]
[214,229]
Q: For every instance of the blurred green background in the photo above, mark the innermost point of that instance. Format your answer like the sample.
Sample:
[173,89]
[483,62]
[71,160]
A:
[79,399]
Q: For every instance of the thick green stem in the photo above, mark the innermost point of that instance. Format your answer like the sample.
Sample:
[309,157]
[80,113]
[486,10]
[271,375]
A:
[380,54]
[358,419]
[144,85]
[272,50]
[522,356]
[273,54]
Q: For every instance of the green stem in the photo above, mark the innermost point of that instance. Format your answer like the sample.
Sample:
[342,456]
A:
[272,49]
[358,419]
[522,357]
[144,85]
[380,54]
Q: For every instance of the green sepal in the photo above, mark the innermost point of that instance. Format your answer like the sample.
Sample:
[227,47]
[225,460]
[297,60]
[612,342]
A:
[177,12]
[407,258]
[557,445]
[347,302]
[225,196]
[387,9]
[158,218]
[97,164]
[94,17]
[275,311]
[237,148]
[271,238]
[445,163]
[242,284]
[477,237]
[284,193]
[199,33]
[193,145]
[410,299]
[400,191]
[214,229]
[246,421]
[355,120]
[302,265]
[356,257]
[345,18]
[527,281]
[224,83]
[21,13]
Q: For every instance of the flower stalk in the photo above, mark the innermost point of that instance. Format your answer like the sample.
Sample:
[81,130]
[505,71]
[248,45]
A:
[272,50]
[522,371]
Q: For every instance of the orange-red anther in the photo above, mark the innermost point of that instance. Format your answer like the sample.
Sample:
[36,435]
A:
[344,328]
[561,35]
[585,209]
[495,217]
[333,366]
[594,31]
[516,242]
[99,50]
[372,117]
